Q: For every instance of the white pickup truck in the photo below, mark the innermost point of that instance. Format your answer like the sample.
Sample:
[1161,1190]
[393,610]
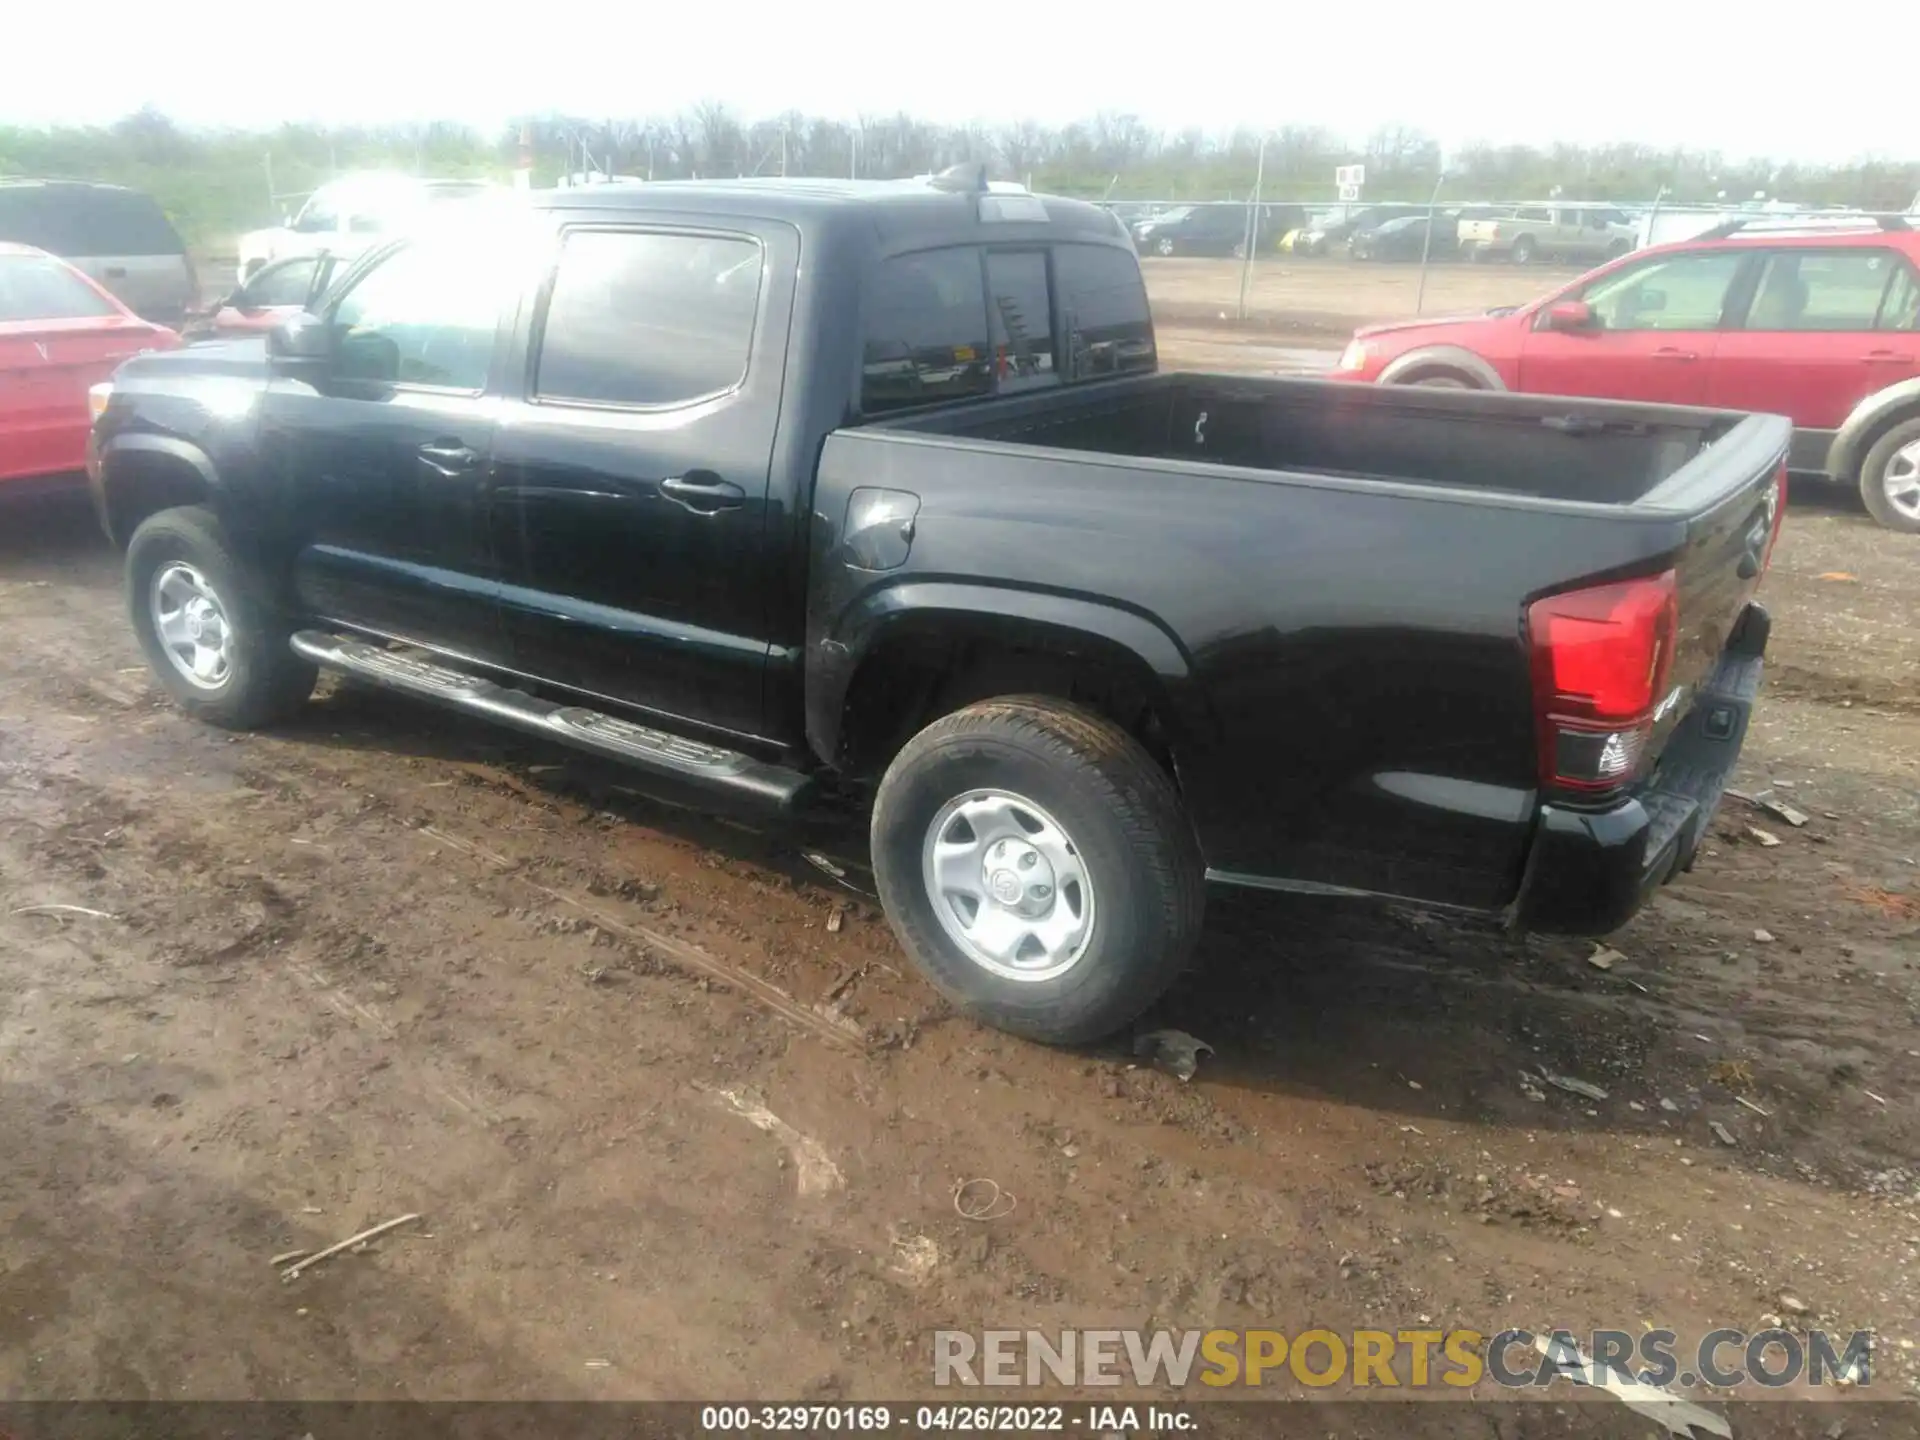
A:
[1584,234]
[346,216]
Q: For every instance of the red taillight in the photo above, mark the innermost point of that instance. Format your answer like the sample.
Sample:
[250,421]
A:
[1779,515]
[1601,658]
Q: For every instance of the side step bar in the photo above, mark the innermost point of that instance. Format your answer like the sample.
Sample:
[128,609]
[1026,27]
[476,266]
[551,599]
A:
[705,767]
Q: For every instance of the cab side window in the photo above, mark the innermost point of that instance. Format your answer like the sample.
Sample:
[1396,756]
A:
[649,319]
[320,215]
[425,315]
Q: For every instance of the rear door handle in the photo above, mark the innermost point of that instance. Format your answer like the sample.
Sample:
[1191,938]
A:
[449,457]
[1887,357]
[703,492]
[1669,353]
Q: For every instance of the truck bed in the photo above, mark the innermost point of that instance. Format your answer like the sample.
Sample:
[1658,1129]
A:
[1329,583]
[1544,447]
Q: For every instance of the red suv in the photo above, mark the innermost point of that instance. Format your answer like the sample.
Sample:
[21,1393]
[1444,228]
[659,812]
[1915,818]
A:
[1822,326]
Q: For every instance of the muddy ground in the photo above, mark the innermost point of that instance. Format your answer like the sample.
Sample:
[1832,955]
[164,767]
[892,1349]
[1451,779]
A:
[1309,301]
[680,1122]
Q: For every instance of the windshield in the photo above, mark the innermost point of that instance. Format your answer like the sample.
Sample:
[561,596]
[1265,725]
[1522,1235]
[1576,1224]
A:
[1179,212]
[35,287]
[457,190]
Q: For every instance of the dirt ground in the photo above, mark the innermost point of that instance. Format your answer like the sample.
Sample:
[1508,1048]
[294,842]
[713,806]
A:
[1318,302]
[679,1121]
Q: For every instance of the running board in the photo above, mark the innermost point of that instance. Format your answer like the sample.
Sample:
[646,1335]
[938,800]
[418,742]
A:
[708,767]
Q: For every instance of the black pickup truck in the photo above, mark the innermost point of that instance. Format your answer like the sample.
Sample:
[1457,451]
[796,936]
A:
[871,494]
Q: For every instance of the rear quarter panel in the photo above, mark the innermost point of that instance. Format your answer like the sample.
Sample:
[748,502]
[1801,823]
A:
[1341,665]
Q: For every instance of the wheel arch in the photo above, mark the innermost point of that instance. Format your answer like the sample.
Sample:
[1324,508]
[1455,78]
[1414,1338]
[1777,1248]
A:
[141,475]
[1404,368]
[909,651]
[1868,421]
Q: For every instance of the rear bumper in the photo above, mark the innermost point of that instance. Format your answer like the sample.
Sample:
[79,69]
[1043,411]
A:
[1589,871]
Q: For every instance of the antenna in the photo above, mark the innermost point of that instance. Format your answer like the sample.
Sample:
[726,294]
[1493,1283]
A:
[967,178]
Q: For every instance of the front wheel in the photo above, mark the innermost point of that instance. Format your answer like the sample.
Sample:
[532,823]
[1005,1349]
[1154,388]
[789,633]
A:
[1890,478]
[1038,867]
[207,622]
[1164,246]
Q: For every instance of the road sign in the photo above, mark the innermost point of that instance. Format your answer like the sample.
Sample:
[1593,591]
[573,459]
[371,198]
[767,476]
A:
[1349,193]
[1345,175]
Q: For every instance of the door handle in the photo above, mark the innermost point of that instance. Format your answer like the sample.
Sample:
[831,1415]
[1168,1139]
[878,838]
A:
[1669,353]
[448,457]
[1887,357]
[703,492]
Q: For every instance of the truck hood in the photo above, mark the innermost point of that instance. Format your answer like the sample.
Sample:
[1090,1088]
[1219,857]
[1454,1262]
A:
[243,359]
[264,244]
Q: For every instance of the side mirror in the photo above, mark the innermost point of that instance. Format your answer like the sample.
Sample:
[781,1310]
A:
[1569,315]
[300,344]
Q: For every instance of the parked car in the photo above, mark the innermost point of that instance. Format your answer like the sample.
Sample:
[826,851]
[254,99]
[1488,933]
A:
[120,238]
[1819,324]
[60,333]
[345,217]
[916,528]
[1579,234]
[1406,239]
[1213,229]
[278,289]
[1333,230]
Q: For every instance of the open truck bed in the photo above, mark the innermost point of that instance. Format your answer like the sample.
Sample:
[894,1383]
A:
[1338,589]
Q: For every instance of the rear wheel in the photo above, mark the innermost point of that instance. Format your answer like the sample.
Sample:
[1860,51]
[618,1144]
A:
[1890,478]
[213,636]
[1523,250]
[1164,245]
[1038,867]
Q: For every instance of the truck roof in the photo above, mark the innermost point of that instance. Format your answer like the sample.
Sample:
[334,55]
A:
[900,209]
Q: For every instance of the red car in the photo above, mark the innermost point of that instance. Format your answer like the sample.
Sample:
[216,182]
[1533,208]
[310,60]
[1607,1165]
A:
[1822,326]
[59,334]
[273,292]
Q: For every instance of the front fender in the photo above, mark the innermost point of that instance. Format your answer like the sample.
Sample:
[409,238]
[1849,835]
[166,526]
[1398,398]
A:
[1450,357]
[1852,440]
[156,465]
[943,609]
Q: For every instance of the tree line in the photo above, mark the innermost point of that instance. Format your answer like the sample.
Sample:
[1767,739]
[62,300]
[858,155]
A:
[216,183]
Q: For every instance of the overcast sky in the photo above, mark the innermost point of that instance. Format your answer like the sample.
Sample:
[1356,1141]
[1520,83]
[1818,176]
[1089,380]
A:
[1831,81]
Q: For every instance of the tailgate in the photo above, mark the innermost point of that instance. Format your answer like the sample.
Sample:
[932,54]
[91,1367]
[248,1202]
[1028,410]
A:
[1737,493]
[1479,230]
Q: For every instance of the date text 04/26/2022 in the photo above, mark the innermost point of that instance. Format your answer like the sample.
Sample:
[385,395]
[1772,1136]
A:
[1044,1419]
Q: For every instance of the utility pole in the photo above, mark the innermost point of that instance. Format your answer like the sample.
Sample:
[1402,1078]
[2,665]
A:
[1426,245]
[1253,226]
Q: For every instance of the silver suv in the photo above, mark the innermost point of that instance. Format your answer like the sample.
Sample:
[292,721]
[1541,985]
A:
[120,237]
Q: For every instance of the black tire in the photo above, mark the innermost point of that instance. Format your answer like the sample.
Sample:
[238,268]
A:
[264,680]
[1120,808]
[1523,250]
[1619,248]
[1874,475]
[1440,378]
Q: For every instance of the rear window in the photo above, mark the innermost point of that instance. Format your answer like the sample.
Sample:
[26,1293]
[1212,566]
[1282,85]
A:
[963,322]
[926,331]
[85,221]
[1103,310]
[33,287]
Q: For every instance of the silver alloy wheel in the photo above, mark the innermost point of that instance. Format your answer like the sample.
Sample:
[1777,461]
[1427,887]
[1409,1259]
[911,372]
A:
[1008,885]
[1901,480]
[191,622]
